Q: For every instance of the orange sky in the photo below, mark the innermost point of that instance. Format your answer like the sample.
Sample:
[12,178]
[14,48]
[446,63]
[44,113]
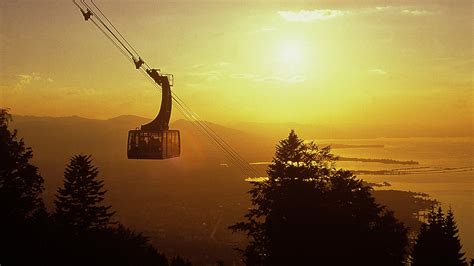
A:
[319,63]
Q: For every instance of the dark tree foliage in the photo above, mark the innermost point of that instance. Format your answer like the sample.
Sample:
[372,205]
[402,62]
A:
[79,201]
[115,245]
[179,261]
[20,183]
[86,235]
[81,232]
[22,211]
[438,241]
[453,244]
[310,213]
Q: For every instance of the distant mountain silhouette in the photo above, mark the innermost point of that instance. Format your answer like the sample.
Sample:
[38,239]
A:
[316,130]
[128,119]
[63,136]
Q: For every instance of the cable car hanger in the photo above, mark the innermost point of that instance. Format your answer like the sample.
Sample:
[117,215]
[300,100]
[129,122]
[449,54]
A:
[154,140]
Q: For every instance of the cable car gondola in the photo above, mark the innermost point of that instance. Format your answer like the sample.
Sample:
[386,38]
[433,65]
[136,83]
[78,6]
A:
[155,140]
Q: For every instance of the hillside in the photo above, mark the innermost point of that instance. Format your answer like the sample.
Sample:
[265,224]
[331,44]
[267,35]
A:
[184,204]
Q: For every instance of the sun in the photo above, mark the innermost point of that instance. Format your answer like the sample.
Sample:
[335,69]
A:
[290,52]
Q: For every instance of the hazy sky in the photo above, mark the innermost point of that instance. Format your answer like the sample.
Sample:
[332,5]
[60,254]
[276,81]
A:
[327,62]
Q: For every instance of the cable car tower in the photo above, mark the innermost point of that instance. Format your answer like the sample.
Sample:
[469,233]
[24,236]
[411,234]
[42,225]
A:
[153,140]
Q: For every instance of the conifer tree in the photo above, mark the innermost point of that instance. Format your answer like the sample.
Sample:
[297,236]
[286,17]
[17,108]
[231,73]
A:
[454,255]
[309,213]
[425,243]
[438,242]
[79,201]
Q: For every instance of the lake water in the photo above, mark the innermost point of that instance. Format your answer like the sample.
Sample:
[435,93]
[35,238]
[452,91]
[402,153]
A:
[445,172]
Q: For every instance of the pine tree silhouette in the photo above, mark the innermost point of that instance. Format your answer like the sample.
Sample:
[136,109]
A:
[454,255]
[310,213]
[438,242]
[86,234]
[422,251]
[79,201]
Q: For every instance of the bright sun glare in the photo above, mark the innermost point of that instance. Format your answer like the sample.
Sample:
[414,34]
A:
[290,52]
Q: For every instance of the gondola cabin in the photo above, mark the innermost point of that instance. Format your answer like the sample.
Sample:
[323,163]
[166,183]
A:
[155,140]
[158,145]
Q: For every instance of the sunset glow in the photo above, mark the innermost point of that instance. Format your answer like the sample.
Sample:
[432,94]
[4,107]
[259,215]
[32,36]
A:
[290,52]
[236,132]
[246,61]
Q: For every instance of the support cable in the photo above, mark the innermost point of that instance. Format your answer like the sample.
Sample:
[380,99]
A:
[108,29]
[219,139]
[230,154]
[113,26]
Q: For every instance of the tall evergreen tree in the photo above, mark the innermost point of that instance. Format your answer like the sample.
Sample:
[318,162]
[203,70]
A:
[309,213]
[79,201]
[426,242]
[454,255]
[438,242]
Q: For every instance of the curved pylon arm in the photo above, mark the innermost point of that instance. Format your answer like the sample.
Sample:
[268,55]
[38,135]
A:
[161,122]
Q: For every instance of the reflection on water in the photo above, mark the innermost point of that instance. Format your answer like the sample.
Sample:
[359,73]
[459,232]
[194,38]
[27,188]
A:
[445,171]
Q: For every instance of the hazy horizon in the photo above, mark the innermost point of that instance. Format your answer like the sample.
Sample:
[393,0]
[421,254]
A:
[339,131]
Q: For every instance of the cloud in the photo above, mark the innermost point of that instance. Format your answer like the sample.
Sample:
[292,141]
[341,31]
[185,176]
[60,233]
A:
[216,75]
[211,75]
[377,71]
[415,12]
[27,78]
[197,66]
[243,76]
[24,80]
[382,8]
[209,72]
[266,29]
[81,91]
[311,15]
[279,79]
[289,79]
[222,64]
[263,30]
[326,14]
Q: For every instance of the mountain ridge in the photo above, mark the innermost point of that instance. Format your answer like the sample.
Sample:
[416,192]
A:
[275,131]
